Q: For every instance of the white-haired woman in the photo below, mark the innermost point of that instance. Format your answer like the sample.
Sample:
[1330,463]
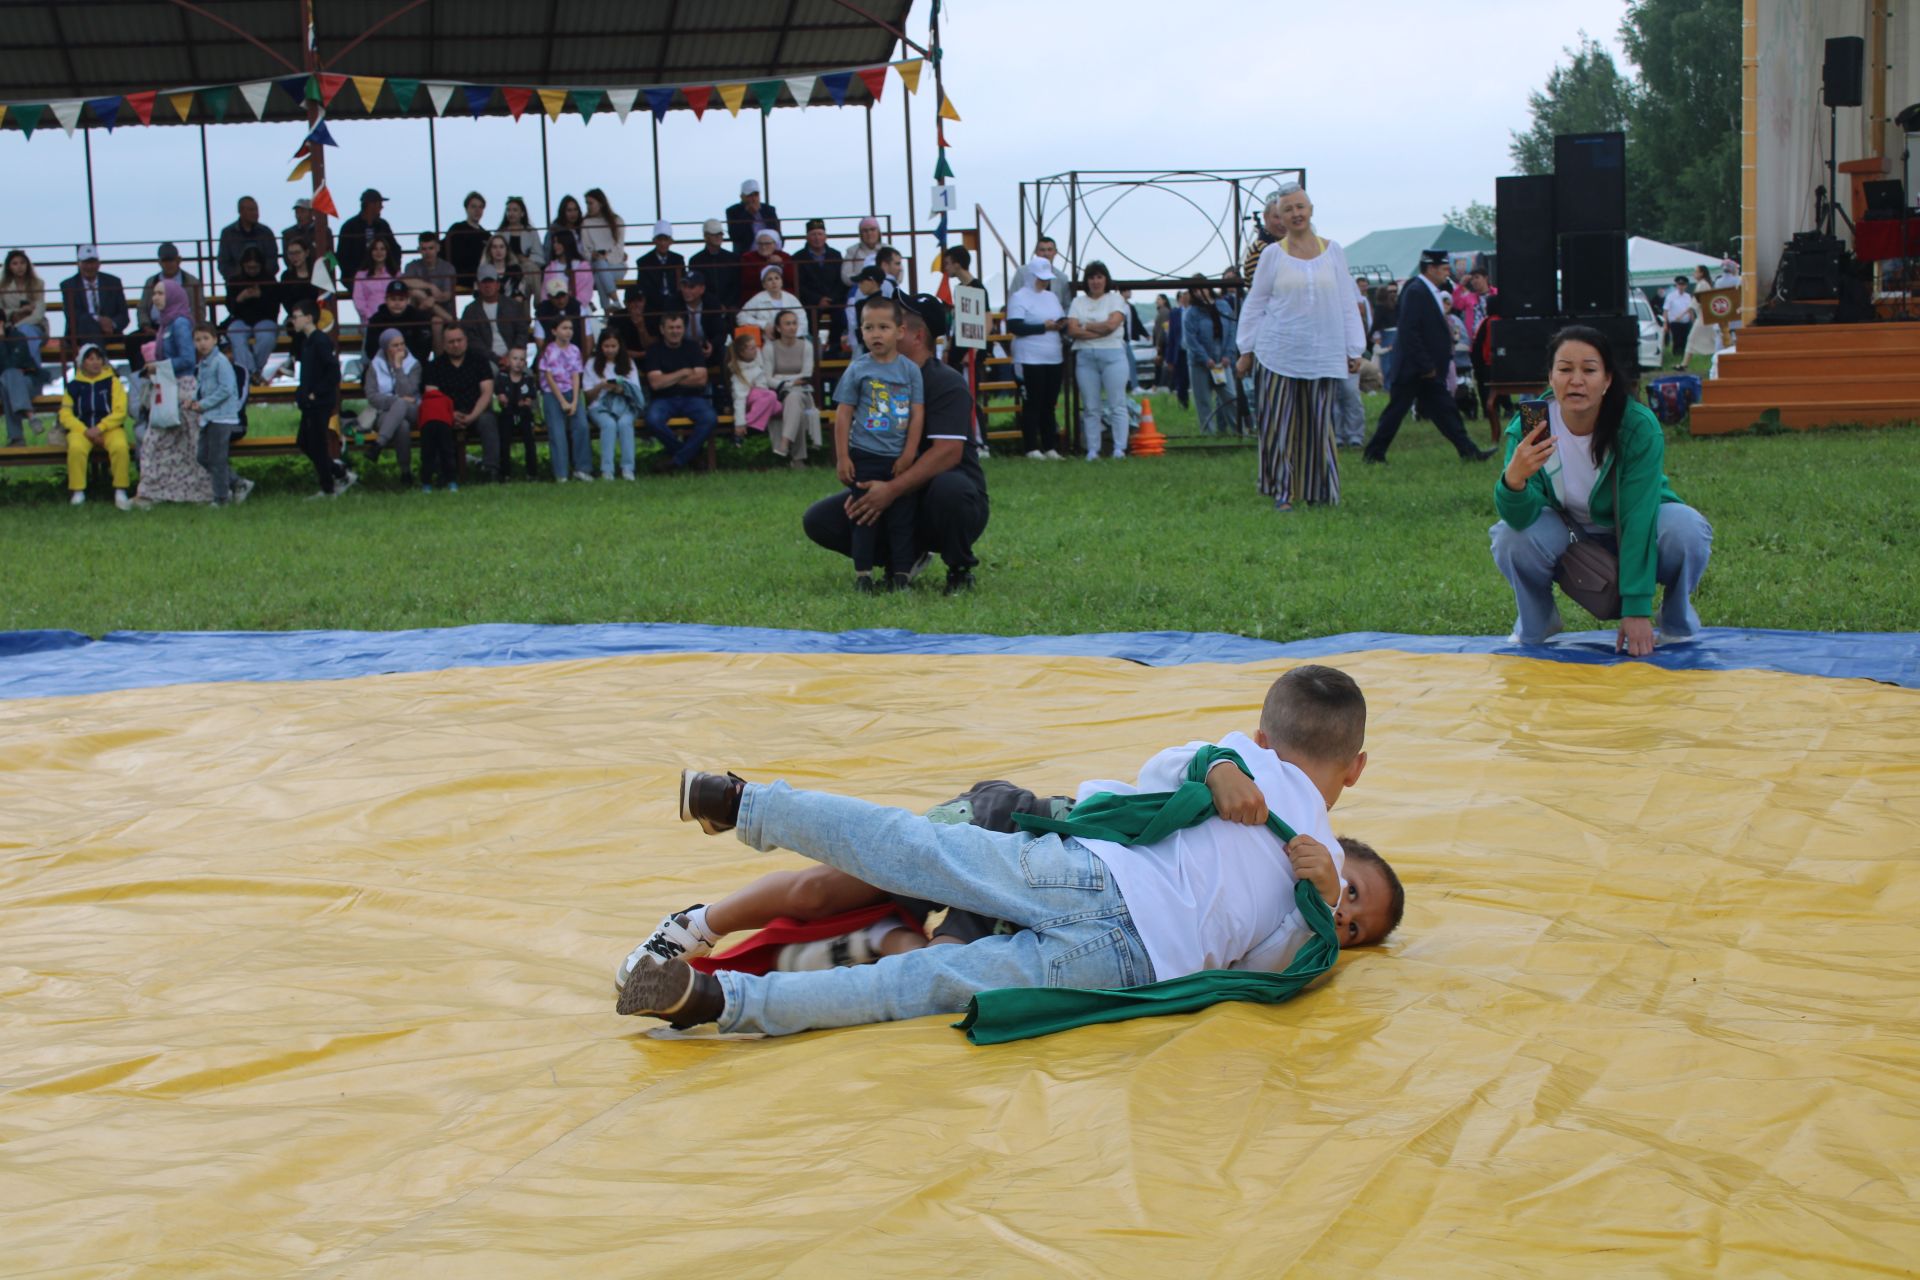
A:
[1300,325]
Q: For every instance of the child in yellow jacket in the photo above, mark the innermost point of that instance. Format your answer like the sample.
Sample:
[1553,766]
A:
[93,409]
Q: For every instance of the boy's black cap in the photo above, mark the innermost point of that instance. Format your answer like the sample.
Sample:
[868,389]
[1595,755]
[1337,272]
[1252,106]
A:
[929,308]
[874,274]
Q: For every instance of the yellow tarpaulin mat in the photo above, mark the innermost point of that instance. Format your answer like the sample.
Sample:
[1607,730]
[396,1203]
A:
[315,979]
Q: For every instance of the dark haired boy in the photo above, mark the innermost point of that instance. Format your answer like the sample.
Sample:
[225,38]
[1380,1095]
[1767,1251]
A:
[318,397]
[879,412]
[518,391]
[1090,913]
[216,398]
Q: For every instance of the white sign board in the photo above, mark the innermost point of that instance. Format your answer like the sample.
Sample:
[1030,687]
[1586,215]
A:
[970,317]
[944,199]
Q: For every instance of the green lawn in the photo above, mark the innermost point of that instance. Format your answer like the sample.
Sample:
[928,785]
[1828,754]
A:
[1813,530]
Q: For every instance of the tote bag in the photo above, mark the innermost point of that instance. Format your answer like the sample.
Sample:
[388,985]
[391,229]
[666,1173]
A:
[164,414]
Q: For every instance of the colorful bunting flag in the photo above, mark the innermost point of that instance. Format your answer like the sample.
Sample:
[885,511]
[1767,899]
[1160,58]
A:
[142,104]
[321,136]
[66,113]
[910,73]
[875,78]
[587,101]
[216,100]
[440,95]
[294,87]
[3,113]
[182,104]
[302,169]
[946,109]
[517,100]
[323,203]
[553,102]
[837,85]
[27,116]
[404,91]
[767,94]
[478,97]
[732,95]
[323,273]
[368,87]
[697,97]
[942,169]
[624,100]
[801,87]
[256,97]
[330,87]
[105,110]
[659,100]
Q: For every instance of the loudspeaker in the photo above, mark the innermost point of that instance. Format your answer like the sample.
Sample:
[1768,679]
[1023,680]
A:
[1593,274]
[1590,182]
[1519,348]
[1840,77]
[1622,334]
[1524,253]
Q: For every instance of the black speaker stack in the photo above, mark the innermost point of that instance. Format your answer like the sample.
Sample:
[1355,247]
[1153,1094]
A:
[1561,254]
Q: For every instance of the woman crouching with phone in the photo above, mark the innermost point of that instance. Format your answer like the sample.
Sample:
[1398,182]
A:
[1586,467]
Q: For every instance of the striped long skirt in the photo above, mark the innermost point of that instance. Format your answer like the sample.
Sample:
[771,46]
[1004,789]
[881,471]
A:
[1296,417]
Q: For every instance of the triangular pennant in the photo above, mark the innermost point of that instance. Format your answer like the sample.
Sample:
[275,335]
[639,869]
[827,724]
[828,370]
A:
[910,73]
[404,91]
[946,109]
[216,100]
[517,100]
[945,291]
[732,95]
[313,89]
[939,135]
[295,87]
[658,100]
[697,96]
[941,168]
[105,110]
[305,149]
[477,96]
[321,136]
[837,85]
[27,116]
[624,100]
[323,276]
[940,234]
[875,78]
[67,113]
[302,169]
[553,102]
[330,87]
[256,97]
[3,113]
[801,87]
[587,101]
[323,203]
[440,95]
[368,87]
[182,104]
[767,94]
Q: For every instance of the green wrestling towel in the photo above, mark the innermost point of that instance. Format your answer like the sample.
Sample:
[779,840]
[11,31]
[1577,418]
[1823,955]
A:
[1017,1013]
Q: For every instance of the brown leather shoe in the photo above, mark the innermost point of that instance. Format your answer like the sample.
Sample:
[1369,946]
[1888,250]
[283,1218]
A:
[711,799]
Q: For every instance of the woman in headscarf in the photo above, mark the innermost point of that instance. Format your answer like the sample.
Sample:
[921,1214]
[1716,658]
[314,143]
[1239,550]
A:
[170,469]
[393,402]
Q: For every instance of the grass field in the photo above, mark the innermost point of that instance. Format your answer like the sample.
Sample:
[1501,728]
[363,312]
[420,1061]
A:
[1813,530]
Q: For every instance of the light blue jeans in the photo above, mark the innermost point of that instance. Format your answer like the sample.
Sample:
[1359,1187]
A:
[606,279]
[1209,401]
[614,418]
[1101,374]
[1350,413]
[252,343]
[1527,557]
[567,446]
[1075,930]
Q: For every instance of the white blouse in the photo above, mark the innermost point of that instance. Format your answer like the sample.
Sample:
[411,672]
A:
[1090,310]
[1300,320]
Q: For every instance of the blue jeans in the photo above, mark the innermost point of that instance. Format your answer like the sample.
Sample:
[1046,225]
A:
[614,417]
[1350,414]
[1209,401]
[1527,557]
[1101,373]
[697,408]
[606,279]
[1075,930]
[566,436]
[252,343]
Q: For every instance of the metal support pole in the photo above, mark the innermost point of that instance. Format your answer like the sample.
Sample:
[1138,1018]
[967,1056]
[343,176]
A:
[93,227]
[873,199]
[1238,220]
[433,169]
[658,210]
[1023,225]
[1073,259]
[546,174]
[913,220]
[766,176]
[206,195]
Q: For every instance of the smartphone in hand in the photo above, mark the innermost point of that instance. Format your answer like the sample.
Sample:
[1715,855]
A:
[1533,420]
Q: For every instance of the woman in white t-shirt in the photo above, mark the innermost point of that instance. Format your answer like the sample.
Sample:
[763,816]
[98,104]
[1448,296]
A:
[1300,325]
[1097,323]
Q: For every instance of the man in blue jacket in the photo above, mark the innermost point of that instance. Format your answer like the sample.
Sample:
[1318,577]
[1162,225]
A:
[1422,354]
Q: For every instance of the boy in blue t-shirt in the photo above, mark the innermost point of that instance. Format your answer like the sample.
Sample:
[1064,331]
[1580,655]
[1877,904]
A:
[880,409]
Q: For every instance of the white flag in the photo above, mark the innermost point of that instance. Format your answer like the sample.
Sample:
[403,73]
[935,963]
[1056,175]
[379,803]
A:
[801,87]
[256,96]
[623,101]
[67,113]
[441,95]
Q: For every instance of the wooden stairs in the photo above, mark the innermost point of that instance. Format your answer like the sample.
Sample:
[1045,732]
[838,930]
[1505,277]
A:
[1815,376]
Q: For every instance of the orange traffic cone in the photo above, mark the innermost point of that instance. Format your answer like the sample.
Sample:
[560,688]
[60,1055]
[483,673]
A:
[1147,442]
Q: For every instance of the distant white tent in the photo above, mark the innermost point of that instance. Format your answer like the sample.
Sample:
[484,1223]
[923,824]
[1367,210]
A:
[1651,263]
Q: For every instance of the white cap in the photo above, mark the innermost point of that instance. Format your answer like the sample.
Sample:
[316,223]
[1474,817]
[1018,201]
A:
[713,227]
[767,233]
[663,228]
[751,187]
[1041,268]
[85,252]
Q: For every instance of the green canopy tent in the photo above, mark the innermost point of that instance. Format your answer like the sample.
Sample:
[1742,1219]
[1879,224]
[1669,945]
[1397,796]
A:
[1398,251]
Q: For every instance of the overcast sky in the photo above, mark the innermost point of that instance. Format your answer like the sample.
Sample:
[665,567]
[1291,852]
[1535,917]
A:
[1397,110]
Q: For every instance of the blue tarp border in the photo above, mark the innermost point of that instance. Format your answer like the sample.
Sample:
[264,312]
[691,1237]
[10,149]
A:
[53,663]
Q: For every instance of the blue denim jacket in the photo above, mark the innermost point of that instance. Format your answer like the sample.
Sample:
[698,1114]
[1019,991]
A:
[1196,332]
[218,393]
[176,344]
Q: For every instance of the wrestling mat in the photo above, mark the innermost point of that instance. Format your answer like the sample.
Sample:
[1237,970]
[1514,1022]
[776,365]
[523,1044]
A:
[314,979]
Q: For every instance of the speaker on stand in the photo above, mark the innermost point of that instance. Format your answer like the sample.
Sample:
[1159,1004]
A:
[1523,245]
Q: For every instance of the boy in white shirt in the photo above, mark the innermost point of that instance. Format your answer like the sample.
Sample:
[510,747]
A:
[1091,914]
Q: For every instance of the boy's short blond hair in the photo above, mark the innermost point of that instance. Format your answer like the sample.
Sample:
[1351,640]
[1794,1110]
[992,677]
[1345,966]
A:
[1317,713]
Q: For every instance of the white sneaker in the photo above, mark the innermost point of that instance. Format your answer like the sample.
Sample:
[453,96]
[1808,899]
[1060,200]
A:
[243,490]
[626,475]
[827,953]
[1053,455]
[351,480]
[1035,454]
[121,500]
[79,498]
[583,475]
[673,940]
[559,479]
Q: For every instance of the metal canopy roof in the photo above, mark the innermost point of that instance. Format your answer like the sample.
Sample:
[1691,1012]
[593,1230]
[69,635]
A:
[59,50]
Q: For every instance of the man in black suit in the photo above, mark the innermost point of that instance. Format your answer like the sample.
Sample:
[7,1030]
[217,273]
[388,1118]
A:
[1422,354]
[750,217]
[96,307]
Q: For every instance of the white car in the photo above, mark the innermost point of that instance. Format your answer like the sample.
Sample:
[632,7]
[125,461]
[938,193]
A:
[1650,336]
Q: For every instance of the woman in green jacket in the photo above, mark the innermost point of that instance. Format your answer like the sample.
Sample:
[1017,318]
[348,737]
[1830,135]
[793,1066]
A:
[1564,477]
